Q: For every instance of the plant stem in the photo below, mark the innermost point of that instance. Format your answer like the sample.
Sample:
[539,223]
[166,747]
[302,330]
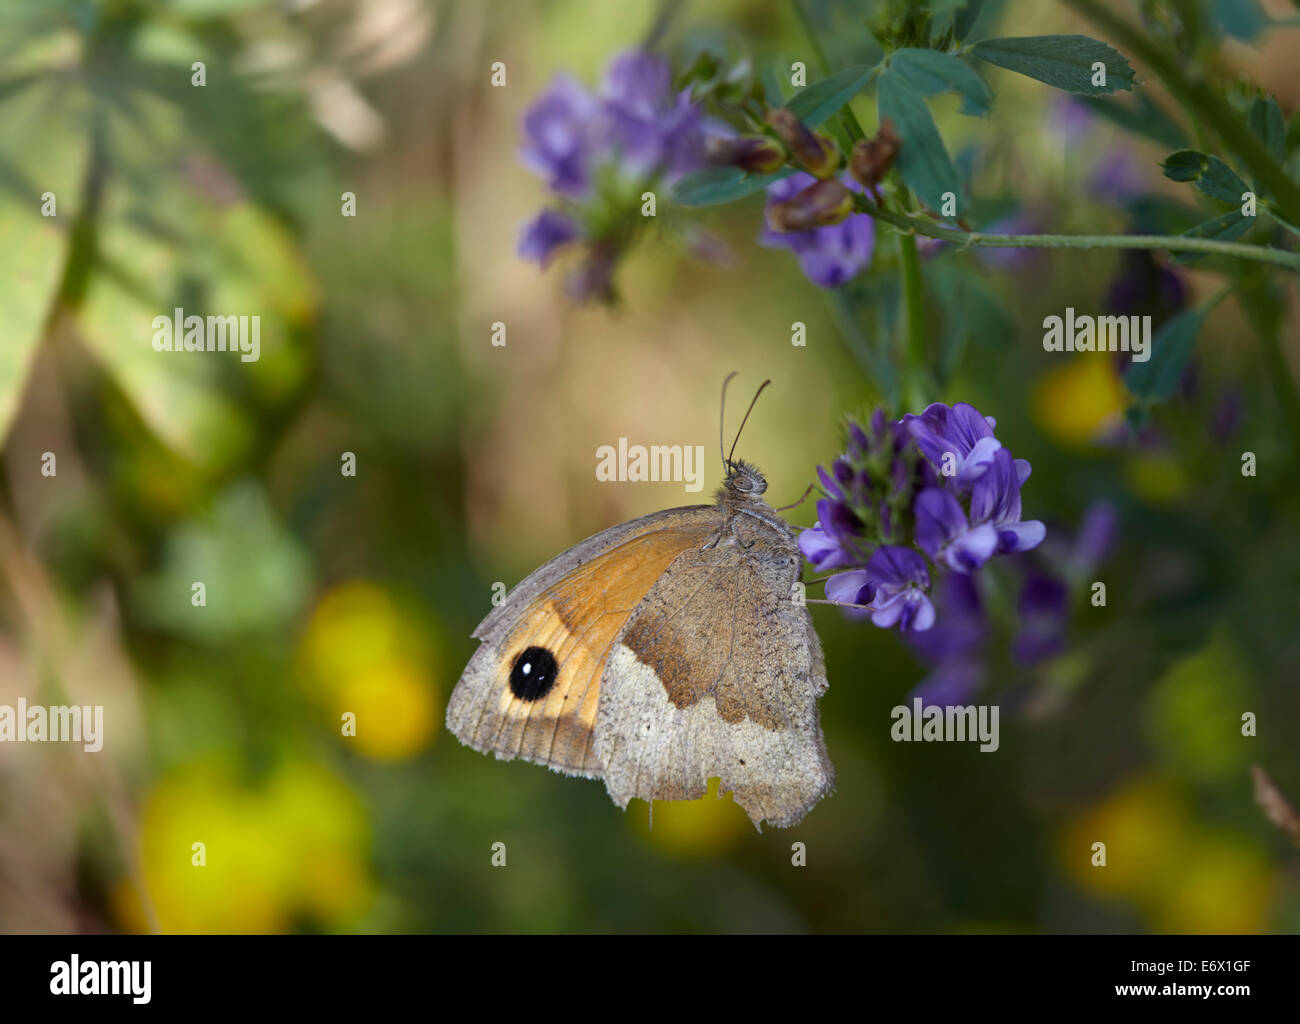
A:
[1174,243]
[914,362]
[1201,96]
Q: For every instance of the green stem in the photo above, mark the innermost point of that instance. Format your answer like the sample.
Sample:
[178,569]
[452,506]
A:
[1279,370]
[1174,243]
[914,390]
[1201,96]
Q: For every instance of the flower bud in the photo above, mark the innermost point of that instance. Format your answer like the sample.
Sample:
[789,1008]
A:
[819,205]
[872,158]
[593,278]
[756,154]
[817,154]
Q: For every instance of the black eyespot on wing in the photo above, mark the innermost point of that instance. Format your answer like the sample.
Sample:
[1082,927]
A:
[533,674]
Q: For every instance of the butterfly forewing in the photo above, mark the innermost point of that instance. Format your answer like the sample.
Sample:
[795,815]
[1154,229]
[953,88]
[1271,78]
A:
[551,639]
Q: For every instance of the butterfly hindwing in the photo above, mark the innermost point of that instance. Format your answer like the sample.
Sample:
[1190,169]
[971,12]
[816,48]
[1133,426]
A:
[718,674]
[553,635]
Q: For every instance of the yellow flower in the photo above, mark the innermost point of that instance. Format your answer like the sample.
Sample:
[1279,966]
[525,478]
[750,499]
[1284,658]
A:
[221,857]
[1224,888]
[1186,877]
[1142,826]
[1156,477]
[394,708]
[695,828]
[368,662]
[1079,401]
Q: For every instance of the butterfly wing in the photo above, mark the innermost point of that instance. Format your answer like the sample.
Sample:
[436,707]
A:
[718,674]
[532,689]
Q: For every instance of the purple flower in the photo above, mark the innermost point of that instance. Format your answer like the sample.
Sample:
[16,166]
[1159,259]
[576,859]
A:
[951,684]
[1043,609]
[901,581]
[634,134]
[961,627]
[558,137]
[1117,177]
[1145,286]
[637,82]
[544,234]
[957,440]
[636,124]
[653,131]
[884,505]
[1095,537]
[1071,118]
[995,499]
[853,587]
[943,533]
[828,256]
[593,278]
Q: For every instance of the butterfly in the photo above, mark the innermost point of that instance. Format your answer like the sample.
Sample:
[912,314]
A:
[661,653]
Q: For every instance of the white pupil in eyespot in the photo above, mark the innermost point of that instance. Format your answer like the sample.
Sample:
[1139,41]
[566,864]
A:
[528,668]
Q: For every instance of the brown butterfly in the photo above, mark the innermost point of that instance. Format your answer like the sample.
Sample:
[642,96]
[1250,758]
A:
[659,654]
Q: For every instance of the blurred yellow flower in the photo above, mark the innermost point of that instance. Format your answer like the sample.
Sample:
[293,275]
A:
[270,856]
[394,708]
[369,662]
[1079,401]
[1224,888]
[1156,477]
[696,828]
[1184,876]
[1193,715]
[1142,828]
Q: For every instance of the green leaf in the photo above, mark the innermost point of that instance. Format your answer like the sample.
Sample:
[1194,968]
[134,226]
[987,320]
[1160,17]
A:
[1207,172]
[813,104]
[1171,348]
[1226,228]
[219,259]
[965,19]
[41,151]
[1066,62]
[1266,122]
[711,186]
[1221,182]
[931,72]
[1241,19]
[923,161]
[1142,116]
[256,573]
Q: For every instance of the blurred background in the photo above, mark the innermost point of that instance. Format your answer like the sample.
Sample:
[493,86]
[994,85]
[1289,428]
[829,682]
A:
[475,463]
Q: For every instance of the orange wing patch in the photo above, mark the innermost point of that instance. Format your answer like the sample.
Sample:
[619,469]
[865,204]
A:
[575,620]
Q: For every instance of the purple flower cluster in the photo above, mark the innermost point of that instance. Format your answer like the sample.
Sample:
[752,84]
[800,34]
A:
[930,493]
[599,152]
[957,649]
[830,255]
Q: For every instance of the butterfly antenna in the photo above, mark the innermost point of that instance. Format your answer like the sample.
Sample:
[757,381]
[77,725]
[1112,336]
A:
[746,419]
[722,420]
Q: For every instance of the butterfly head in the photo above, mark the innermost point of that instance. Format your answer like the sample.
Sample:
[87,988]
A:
[743,482]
